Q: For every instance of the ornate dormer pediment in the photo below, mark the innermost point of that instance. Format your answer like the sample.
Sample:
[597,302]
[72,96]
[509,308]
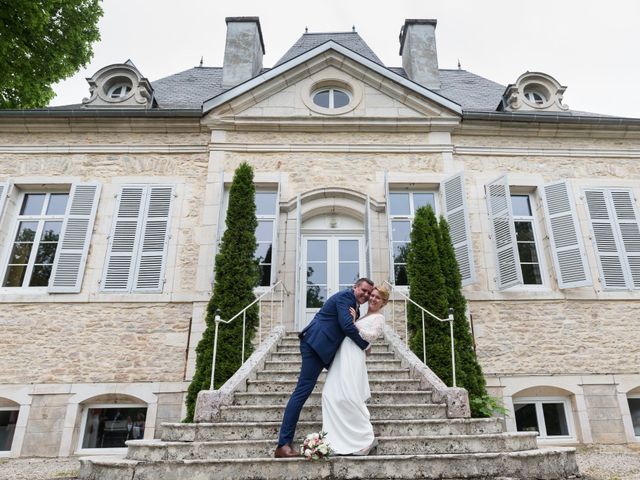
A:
[534,91]
[119,85]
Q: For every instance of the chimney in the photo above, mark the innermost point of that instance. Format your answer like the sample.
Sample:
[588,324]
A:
[419,53]
[243,50]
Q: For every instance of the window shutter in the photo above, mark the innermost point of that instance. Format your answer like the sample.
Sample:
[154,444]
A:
[4,191]
[75,238]
[123,241]
[392,273]
[569,256]
[367,239]
[456,213]
[149,275]
[508,271]
[627,222]
[606,242]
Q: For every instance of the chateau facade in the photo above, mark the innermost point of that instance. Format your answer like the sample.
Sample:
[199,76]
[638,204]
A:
[111,211]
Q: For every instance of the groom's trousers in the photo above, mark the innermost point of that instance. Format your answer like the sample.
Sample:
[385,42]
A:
[312,365]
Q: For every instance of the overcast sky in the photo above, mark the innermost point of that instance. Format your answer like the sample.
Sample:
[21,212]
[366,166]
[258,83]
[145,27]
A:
[587,45]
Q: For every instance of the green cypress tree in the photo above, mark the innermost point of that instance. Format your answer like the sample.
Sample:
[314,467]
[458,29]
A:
[468,370]
[427,288]
[235,278]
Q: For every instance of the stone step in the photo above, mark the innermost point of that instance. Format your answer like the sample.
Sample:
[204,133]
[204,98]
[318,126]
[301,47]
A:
[295,342]
[289,385]
[288,357]
[295,365]
[549,463]
[374,374]
[202,432]
[156,450]
[273,413]
[377,398]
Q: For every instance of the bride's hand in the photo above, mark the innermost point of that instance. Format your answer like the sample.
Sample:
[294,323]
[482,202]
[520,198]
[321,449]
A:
[352,311]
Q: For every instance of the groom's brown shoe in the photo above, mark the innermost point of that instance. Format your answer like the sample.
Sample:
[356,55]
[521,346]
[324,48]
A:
[285,451]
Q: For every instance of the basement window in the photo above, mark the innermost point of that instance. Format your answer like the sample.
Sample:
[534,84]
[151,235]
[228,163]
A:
[110,426]
[547,416]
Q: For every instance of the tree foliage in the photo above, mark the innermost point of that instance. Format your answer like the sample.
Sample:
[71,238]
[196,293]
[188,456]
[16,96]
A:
[436,284]
[41,43]
[236,275]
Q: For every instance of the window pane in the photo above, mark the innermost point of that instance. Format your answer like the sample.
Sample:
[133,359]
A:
[401,274]
[26,231]
[399,204]
[15,276]
[8,420]
[20,253]
[316,296]
[520,205]
[527,252]
[265,203]
[46,253]
[57,203]
[32,204]
[555,419]
[348,250]
[524,231]
[40,276]
[634,408]
[322,99]
[400,252]
[340,99]
[348,273]
[111,427]
[316,273]
[424,199]
[51,231]
[317,250]
[531,274]
[400,230]
[526,420]
[264,232]
[263,253]
[265,275]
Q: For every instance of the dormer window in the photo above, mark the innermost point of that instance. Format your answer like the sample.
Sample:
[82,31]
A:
[534,91]
[331,98]
[119,90]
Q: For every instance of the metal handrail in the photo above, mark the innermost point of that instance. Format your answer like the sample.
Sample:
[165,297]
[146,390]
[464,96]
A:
[243,312]
[423,311]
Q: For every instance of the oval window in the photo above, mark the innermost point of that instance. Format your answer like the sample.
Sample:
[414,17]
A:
[331,98]
[119,90]
[535,97]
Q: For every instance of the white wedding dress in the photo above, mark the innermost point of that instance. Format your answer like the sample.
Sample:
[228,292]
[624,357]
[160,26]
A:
[345,417]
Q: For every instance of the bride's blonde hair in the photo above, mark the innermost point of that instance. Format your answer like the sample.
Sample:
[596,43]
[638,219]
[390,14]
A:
[384,293]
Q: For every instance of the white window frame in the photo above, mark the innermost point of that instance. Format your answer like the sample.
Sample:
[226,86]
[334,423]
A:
[83,424]
[331,91]
[7,453]
[537,242]
[635,396]
[409,217]
[41,219]
[538,402]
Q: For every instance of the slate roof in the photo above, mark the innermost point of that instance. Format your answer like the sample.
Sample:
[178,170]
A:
[350,40]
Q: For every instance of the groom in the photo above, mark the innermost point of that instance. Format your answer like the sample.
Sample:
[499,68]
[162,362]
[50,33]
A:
[319,342]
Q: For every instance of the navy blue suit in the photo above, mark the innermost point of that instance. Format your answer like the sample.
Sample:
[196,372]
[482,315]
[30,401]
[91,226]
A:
[319,342]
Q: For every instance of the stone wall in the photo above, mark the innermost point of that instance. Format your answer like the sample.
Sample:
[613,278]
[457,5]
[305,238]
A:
[94,342]
[46,424]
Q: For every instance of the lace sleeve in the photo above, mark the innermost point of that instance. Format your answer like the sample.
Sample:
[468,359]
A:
[371,329]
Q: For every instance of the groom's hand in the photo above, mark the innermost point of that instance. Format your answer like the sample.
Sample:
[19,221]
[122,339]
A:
[367,350]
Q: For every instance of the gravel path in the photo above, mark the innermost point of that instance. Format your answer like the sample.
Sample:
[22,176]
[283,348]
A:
[610,462]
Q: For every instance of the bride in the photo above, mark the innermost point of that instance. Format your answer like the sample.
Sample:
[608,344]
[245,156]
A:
[345,417]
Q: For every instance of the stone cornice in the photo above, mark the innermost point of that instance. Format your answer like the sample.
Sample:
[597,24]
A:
[547,152]
[64,149]
[330,148]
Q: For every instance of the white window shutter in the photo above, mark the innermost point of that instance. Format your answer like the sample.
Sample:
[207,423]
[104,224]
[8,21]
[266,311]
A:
[4,191]
[149,275]
[606,242]
[503,232]
[75,239]
[124,239]
[569,256]
[627,222]
[456,213]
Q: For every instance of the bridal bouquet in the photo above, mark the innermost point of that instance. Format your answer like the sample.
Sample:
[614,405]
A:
[315,446]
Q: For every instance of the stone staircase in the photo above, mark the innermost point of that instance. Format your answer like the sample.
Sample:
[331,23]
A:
[416,439]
